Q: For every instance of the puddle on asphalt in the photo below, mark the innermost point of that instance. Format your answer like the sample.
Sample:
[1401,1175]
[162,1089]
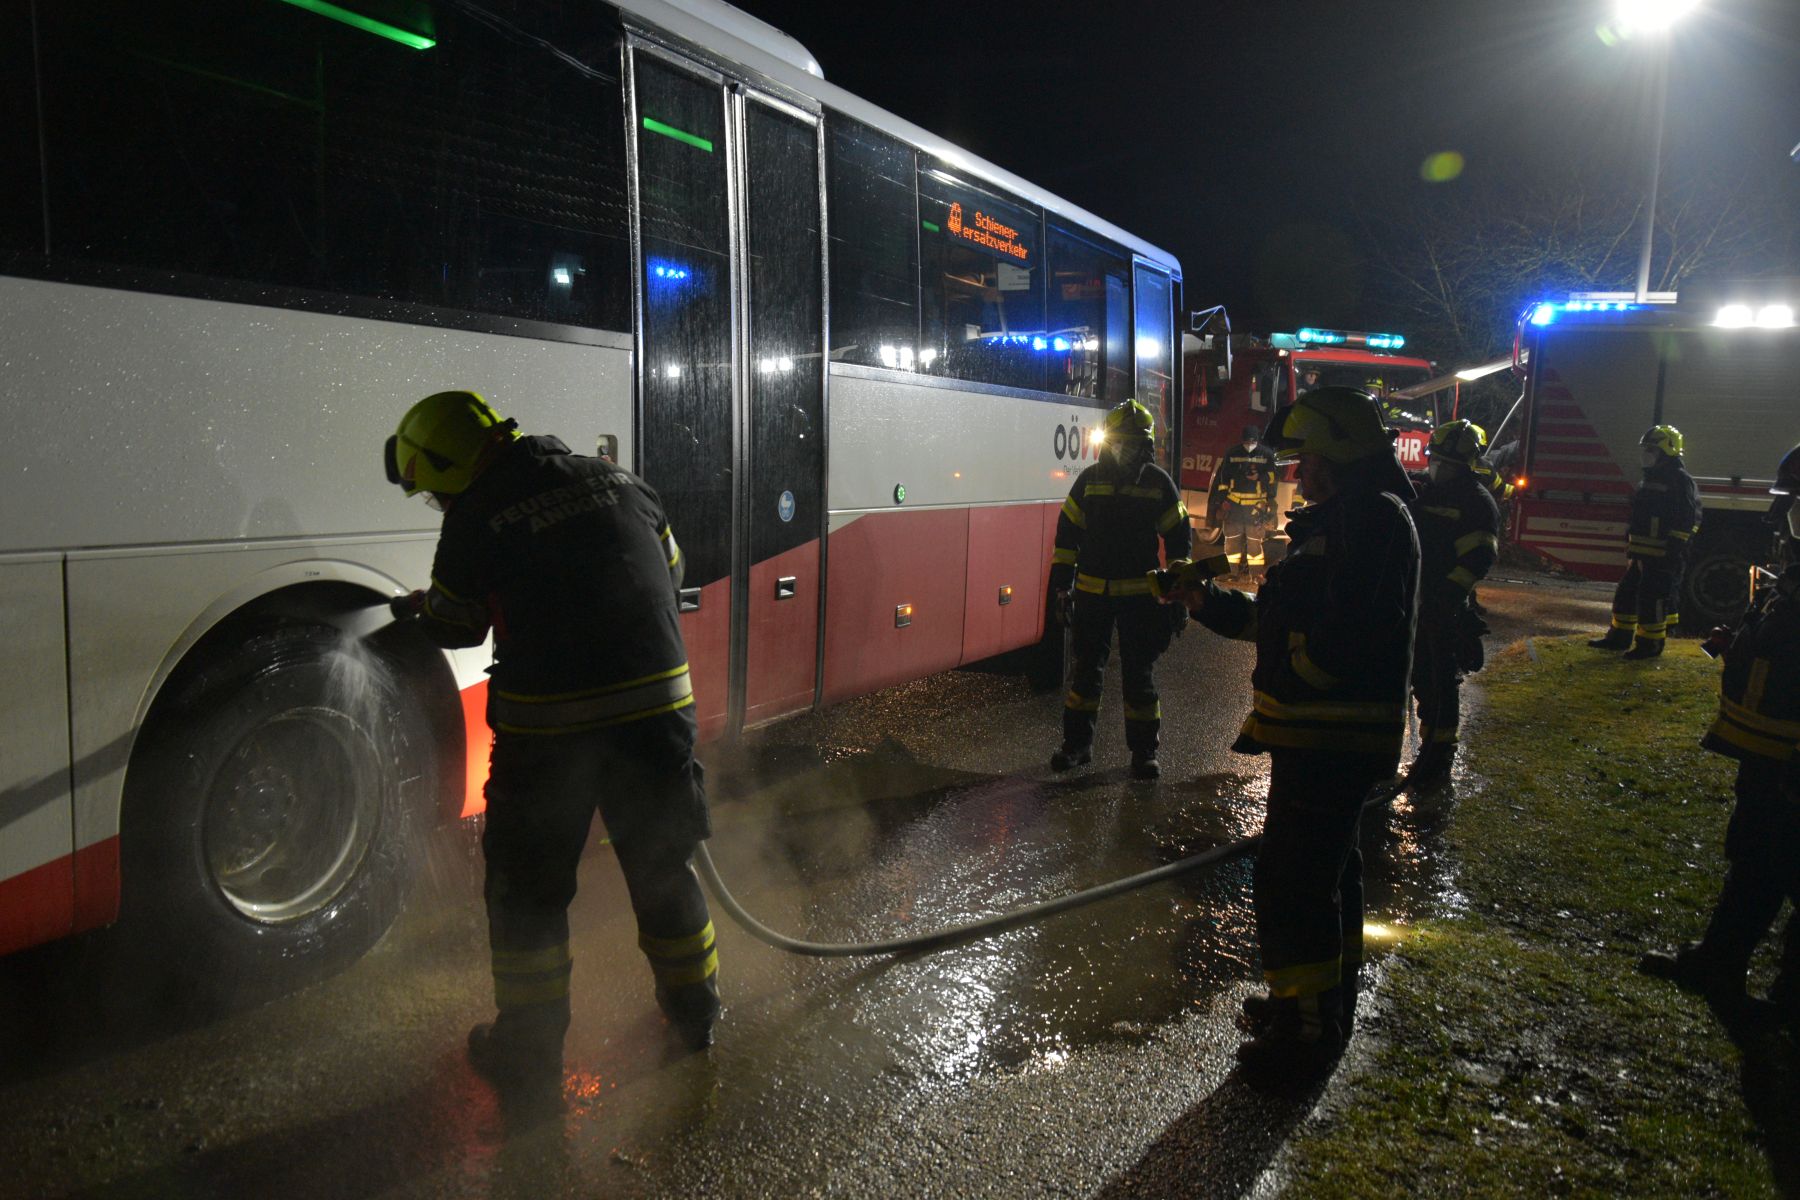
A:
[879,845]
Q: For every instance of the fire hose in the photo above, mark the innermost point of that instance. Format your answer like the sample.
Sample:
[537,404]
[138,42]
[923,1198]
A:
[986,927]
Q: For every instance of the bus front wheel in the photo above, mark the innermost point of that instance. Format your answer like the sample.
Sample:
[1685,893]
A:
[274,815]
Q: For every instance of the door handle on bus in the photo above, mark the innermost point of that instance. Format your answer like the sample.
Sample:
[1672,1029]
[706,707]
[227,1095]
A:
[688,600]
[786,587]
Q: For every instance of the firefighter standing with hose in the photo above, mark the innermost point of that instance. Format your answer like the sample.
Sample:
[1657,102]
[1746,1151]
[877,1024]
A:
[1107,540]
[1242,498]
[1333,625]
[1459,528]
[1665,511]
[571,563]
[1759,726]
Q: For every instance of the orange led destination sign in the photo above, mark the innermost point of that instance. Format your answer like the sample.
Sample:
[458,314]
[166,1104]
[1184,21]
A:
[986,231]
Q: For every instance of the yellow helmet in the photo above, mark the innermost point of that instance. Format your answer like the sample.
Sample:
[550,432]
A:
[1665,438]
[1458,442]
[1129,420]
[1343,424]
[441,442]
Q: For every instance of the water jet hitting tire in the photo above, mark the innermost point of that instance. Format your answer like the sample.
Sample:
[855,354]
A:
[274,814]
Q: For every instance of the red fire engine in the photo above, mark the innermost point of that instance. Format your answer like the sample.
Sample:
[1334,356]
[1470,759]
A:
[1234,380]
[1719,363]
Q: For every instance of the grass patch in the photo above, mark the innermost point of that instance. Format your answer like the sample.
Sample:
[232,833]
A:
[1519,1052]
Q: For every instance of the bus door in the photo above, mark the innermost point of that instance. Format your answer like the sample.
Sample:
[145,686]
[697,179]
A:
[731,375]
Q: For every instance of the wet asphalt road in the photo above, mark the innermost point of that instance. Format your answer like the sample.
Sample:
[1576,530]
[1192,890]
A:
[1088,1055]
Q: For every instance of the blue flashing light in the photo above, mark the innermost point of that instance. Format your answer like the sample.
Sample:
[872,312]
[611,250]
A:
[1062,345]
[668,271]
[1548,312]
[1338,337]
[1038,343]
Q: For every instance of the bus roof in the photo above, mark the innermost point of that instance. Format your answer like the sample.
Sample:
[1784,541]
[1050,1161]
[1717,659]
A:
[740,37]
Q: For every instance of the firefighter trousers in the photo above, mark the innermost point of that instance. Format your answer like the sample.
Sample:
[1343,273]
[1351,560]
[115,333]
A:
[1244,526]
[1645,602]
[1308,887]
[1143,635]
[1437,679]
[542,793]
[1762,848]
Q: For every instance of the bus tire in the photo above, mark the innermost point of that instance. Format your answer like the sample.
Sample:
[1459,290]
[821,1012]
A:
[274,817]
[1716,585]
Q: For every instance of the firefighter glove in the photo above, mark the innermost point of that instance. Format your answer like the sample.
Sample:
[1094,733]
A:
[408,606]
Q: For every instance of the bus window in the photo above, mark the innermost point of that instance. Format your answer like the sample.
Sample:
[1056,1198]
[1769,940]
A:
[21,193]
[1155,331]
[1087,315]
[983,291]
[874,247]
[263,143]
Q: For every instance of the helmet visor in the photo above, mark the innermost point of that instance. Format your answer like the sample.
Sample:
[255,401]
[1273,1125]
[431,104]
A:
[387,460]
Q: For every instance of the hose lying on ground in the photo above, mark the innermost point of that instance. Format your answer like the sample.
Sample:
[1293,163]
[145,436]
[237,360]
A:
[986,927]
[973,930]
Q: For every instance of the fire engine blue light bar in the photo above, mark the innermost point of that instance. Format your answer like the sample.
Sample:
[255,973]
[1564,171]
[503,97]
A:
[672,272]
[1547,312]
[1339,337]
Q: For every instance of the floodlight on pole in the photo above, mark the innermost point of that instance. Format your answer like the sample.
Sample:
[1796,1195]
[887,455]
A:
[1653,16]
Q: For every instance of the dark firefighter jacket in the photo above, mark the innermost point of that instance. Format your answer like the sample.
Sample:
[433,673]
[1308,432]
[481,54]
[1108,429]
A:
[1333,626]
[1759,690]
[1247,477]
[1665,510]
[571,562]
[1111,522]
[1459,538]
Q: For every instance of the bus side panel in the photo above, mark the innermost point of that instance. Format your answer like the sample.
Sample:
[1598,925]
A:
[233,421]
[1005,597]
[784,643]
[1593,395]
[706,633]
[878,563]
[37,862]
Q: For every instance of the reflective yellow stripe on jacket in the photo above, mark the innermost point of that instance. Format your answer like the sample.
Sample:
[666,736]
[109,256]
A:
[1139,585]
[573,712]
[1369,726]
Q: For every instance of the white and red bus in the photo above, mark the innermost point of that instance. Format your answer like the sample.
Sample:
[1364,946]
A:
[1718,362]
[238,240]
[1235,380]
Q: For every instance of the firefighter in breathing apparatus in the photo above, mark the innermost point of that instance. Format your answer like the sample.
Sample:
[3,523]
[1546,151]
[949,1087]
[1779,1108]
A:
[1459,527]
[1759,726]
[571,563]
[1107,539]
[1242,498]
[1333,625]
[1665,511]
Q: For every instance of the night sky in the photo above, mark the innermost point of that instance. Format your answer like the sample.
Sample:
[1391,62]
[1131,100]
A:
[1226,131]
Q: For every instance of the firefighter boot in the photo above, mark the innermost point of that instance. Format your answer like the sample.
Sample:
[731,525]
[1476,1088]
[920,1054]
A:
[1645,648]
[1615,639]
[1070,757]
[1694,969]
[1300,1043]
[693,1009]
[517,1055]
[1260,1012]
[1144,765]
[1432,768]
